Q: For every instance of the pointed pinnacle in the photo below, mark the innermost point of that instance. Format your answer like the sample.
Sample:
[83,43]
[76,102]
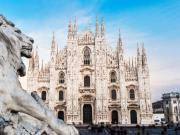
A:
[75,20]
[42,66]
[36,49]
[119,34]
[138,51]
[97,26]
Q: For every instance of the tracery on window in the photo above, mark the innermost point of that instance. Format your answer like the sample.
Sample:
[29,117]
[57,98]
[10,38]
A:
[87,53]
[113,77]
[132,94]
[61,77]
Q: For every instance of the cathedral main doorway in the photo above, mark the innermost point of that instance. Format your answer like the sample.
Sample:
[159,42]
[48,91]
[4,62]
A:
[61,115]
[114,117]
[87,114]
[133,114]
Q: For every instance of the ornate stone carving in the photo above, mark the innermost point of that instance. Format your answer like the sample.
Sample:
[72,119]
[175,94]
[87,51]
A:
[86,38]
[13,46]
[103,59]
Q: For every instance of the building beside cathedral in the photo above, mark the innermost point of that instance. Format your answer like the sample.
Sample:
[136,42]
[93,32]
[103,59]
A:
[171,106]
[89,82]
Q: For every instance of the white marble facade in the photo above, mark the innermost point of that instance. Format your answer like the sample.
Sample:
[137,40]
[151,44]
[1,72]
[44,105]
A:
[89,82]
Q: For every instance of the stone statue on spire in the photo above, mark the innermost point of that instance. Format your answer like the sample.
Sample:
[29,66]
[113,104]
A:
[97,27]
[102,28]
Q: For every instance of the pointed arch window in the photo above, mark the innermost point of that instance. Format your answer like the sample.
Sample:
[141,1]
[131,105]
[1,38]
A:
[113,77]
[132,94]
[113,95]
[61,95]
[87,81]
[87,53]
[61,77]
[43,95]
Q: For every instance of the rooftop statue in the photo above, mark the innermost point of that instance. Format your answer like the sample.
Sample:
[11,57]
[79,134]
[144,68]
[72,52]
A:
[15,102]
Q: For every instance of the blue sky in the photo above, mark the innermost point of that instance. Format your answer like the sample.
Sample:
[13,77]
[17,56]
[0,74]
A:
[154,22]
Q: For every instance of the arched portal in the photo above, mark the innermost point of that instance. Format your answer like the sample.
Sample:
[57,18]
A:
[133,114]
[43,95]
[61,115]
[114,117]
[87,114]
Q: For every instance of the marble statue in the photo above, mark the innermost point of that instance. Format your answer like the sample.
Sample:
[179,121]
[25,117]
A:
[18,109]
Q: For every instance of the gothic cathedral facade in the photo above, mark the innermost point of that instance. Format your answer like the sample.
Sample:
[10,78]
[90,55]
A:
[89,82]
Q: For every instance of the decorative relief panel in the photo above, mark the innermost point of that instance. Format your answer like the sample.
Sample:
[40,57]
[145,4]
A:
[86,38]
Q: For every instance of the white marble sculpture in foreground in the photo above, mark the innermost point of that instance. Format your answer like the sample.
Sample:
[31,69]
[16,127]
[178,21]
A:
[14,100]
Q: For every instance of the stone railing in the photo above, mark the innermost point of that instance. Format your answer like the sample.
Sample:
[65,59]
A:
[84,89]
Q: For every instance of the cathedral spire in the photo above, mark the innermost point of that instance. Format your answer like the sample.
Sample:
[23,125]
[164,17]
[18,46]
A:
[138,52]
[31,61]
[53,48]
[36,55]
[70,26]
[132,63]
[36,60]
[53,45]
[57,51]
[70,29]
[144,57]
[120,49]
[53,42]
[119,43]
[102,28]
[42,66]
[139,60]
[135,62]
[97,26]
[129,63]
[75,26]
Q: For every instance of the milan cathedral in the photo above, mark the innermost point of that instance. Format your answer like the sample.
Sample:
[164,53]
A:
[89,82]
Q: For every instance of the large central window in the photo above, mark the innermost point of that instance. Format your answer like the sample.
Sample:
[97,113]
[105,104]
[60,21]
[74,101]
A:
[86,81]
[87,52]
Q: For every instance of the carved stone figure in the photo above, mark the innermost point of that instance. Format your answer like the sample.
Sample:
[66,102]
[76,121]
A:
[13,98]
